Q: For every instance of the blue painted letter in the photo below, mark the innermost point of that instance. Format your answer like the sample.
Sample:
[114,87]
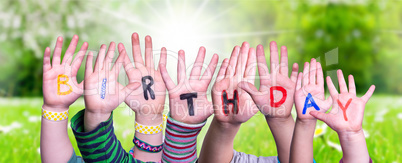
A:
[311,104]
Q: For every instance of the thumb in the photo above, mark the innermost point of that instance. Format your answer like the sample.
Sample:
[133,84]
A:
[249,88]
[128,89]
[319,115]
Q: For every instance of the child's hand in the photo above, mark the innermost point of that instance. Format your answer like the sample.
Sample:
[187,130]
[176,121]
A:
[310,95]
[188,99]
[240,68]
[278,80]
[346,115]
[103,93]
[149,99]
[60,87]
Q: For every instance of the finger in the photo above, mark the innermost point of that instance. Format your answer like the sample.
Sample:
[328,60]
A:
[274,57]
[313,71]
[295,71]
[368,94]
[68,56]
[242,59]
[135,42]
[128,90]
[128,66]
[165,75]
[320,75]
[79,58]
[249,88]
[100,58]
[352,86]
[262,65]
[306,74]
[331,88]
[181,67]
[319,115]
[109,56]
[119,63]
[46,60]
[342,84]
[284,70]
[230,71]
[57,52]
[251,65]
[149,56]
[299,81]
[163,57]
[222,70]
[88,65]
[209,72]
[199,61]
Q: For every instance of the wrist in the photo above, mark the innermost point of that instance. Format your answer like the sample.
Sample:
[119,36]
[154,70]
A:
[149,119]
[55,108]
[225,126]
[351,136]
[306,122]
[279,119]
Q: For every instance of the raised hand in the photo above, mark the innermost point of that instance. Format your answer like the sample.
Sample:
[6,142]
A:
[148,100]
[231,104]
[60,86]
[103,93]
[310,93]
[60,90]
[275,96]
[188,99]
[347,110]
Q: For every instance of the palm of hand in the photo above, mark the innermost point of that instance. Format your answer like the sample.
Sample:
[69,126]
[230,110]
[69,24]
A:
[246,106]
[136,100]
[179,107]
[264,102]
[50,82]
[93,90]
[349,120]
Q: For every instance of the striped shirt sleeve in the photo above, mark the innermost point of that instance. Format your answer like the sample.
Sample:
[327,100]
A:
[101,144]
[181,141]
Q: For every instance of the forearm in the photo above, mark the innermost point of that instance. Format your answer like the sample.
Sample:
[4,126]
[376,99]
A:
[99,144]
[302,143]
[218,143]
[55,144]
[152,139]
[93,119]
[282,130]
[354,147]
[181,141]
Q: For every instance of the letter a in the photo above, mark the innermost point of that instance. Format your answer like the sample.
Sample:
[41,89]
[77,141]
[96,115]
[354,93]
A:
[311,104]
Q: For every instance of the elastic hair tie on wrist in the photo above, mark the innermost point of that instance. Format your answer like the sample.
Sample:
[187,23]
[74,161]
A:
[147,147]
[54,116]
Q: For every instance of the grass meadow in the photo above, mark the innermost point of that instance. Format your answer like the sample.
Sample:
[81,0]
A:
[20,131]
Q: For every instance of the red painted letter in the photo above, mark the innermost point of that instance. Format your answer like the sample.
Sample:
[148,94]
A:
[344,108]
[280,102]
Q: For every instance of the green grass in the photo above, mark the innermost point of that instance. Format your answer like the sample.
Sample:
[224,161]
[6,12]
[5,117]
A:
[382,122]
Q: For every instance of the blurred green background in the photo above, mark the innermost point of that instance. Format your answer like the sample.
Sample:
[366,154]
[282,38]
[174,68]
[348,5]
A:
[360,37]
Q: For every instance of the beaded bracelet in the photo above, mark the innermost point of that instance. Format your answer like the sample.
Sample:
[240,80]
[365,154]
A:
[54,116]
[147,147]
